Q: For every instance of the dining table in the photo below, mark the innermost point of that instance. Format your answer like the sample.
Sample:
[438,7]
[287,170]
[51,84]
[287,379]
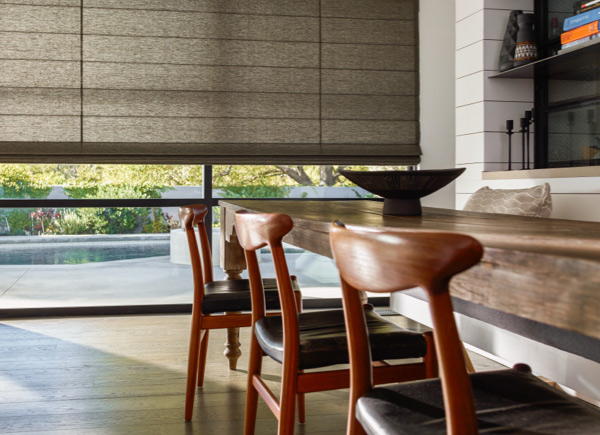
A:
[539,270]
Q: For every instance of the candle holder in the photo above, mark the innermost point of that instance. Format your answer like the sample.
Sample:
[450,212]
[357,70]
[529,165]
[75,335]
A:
[509,132]
[529,118]
[523,131]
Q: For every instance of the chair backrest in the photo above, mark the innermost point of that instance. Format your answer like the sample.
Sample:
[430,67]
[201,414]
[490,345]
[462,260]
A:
[192,216]
[388,262]
[255,231]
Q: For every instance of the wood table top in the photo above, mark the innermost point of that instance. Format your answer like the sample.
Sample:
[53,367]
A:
[545,270]
[569,238]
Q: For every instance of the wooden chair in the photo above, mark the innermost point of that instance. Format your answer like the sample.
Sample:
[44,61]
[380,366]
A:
[304,341]
[505,401]
[217,304]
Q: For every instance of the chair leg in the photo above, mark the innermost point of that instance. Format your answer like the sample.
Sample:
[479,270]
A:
[254,368]
[301,408]
[287,400]
[202,358]
[192,372]
[430,358]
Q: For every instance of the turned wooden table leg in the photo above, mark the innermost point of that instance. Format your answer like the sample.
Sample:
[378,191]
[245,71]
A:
[232,345]
[233,263]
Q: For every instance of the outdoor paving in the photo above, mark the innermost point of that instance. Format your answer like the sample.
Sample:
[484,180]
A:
[153,280]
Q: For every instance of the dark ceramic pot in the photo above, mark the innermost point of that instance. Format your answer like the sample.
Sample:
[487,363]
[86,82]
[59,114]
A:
[526,49]
[509,43]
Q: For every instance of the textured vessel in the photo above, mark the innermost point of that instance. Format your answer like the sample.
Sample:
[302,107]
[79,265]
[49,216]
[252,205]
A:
[509,43]
[526,49]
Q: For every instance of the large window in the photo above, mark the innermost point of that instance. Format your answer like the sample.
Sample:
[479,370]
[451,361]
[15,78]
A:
[83,236]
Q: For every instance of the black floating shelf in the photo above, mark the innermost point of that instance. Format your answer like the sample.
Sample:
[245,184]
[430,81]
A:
[581,62]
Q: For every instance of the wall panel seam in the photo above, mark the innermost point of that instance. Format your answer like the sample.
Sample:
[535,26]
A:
[341,94]
[315,68]
[191,11]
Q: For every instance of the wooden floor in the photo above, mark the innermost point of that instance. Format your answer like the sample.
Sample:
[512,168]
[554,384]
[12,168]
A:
[126,375]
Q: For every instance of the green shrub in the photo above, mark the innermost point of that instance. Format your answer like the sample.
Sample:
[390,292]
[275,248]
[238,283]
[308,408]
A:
[114,220]
[113,191]
[17,181]
[157,223]
[71,223]
[19,221]
[255,191]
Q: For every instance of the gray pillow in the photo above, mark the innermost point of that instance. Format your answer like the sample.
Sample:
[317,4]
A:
[534,201]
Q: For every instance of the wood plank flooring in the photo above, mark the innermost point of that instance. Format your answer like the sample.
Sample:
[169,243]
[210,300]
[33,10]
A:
[126,375]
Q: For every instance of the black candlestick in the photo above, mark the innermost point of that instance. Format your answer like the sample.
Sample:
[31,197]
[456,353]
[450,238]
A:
[523,131]
[509,132]
[528,117]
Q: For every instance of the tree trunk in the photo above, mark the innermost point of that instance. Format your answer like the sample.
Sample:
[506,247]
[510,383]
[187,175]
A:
[297,174]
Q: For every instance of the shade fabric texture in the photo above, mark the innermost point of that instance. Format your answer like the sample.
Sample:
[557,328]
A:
[207,82]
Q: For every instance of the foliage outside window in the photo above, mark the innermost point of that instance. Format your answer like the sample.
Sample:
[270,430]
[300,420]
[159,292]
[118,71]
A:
[138,182]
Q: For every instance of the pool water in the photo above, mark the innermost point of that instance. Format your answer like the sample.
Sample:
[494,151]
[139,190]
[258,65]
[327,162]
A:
[78,253]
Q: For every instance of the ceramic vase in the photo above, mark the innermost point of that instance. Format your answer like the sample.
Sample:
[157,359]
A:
[507,52]
[526,49]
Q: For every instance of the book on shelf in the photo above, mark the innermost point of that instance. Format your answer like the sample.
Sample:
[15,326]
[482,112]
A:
[589,8]
[578,42]
[585,5]
[579,20]
[579,32]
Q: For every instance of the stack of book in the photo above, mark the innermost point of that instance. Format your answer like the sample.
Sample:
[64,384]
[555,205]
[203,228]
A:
[585,5]
[583,26]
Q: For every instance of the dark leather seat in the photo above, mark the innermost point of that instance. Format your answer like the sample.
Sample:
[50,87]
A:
[234,295]
[507,401]
[323,339]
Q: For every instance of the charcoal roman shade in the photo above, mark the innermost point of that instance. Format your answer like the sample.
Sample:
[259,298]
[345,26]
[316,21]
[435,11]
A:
[211,81]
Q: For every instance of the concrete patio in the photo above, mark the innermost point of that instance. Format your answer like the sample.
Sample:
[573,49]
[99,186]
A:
[147,281]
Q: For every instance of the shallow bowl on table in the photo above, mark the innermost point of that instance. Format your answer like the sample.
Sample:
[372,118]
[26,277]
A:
[402,190]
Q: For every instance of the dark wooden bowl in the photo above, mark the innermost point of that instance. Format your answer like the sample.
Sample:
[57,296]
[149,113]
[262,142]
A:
[402,190]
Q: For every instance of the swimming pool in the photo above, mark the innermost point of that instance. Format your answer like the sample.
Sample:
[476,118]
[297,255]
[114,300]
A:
[79,253]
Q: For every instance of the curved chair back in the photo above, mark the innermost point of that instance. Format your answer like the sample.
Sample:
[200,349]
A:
[256,231]
[192,216]
[384,262]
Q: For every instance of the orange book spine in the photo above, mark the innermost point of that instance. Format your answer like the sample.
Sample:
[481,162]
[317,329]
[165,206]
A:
[579,32]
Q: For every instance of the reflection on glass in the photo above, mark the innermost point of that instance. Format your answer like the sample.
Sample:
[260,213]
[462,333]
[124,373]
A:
[574,137]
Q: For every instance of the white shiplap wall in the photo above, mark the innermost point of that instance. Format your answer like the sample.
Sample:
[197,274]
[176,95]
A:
[483,105]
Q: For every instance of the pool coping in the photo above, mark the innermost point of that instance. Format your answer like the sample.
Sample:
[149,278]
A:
[82,238]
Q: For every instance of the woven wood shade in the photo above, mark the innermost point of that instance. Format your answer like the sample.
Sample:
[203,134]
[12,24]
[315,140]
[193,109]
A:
[217,81]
